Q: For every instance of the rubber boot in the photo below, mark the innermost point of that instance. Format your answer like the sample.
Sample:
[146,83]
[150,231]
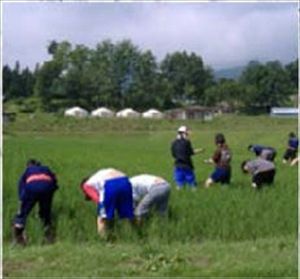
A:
[19,236]
[49,235]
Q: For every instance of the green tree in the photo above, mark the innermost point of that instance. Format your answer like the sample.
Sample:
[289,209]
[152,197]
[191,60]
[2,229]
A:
[49,86]
[187,77]
[292,70]
[226,92]
[271,85]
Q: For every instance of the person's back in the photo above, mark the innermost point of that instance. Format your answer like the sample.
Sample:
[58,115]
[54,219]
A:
[293,142]
[221,159]
[263,171]
[222,156]
[37,175]
[149,191]
[268,153]
[265,152]
[98,179]
[182,151]
[111,190]
[259,165]
[142,184]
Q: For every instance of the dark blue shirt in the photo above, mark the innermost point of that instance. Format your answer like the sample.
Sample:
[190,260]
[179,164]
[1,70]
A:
[293,143]
[257,149]
[36,174]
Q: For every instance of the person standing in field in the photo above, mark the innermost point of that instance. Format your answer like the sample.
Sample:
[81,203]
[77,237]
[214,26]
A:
[262,171]
[182,151]
[221,159]
[290,154]
[111,190]
[265,152]
[37,185]
[149,191]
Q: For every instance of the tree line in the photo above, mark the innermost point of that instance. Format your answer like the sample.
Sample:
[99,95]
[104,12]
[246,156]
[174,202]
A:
[119,75]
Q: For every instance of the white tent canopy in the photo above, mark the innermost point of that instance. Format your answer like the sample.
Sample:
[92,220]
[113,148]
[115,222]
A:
[153,113]
[128,113]
[102,112]
[76,112]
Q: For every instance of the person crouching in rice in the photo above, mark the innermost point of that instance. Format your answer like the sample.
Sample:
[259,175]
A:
[149,191]
[262,171]
[111,190]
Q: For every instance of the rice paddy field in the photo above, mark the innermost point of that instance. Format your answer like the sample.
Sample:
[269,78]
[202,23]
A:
[223,231]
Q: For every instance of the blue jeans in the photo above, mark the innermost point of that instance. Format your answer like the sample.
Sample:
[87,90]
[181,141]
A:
[184,176]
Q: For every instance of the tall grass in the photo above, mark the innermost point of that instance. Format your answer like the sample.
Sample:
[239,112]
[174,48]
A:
[74,150]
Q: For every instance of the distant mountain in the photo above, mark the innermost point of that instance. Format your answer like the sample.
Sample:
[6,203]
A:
[230,73]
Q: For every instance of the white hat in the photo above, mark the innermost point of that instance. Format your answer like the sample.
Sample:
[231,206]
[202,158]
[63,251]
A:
[182,129]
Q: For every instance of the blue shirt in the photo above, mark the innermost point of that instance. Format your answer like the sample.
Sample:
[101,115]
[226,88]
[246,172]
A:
[293,143]
[36,174]
[257,149]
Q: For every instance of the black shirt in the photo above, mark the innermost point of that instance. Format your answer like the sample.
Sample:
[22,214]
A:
[182,151]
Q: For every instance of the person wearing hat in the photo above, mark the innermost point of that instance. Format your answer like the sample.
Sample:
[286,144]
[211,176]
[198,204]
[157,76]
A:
[182,151]
[221,159]
[111,190]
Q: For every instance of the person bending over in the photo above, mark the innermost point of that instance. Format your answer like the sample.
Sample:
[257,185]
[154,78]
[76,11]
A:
[37,185]
[262,171]
[111,190]
[149,191]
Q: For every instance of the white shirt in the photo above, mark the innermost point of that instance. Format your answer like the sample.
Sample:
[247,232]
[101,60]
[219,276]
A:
[141,185]
[98,179]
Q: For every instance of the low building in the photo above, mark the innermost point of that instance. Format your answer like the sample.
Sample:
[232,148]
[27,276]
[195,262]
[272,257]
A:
[128,113]
[284,112]
[77,112]
[102,112]
[153,113]
[192,112]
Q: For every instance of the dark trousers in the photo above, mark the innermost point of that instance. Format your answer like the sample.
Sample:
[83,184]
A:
[266,177]
[31,196]
[290,154]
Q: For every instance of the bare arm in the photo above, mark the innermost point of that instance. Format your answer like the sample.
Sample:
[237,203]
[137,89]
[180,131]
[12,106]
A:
[198,150]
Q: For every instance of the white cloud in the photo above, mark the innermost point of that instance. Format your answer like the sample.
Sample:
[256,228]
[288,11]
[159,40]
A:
[224,34]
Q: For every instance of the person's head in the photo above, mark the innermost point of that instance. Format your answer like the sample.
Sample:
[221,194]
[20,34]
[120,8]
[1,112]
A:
[220,139]
[243,164]
[183,131]
[83,181]
[33,162]
[292,135]
[86,197]
[250,146]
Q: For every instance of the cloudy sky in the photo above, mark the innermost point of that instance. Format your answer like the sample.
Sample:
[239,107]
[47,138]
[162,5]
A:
[224,34]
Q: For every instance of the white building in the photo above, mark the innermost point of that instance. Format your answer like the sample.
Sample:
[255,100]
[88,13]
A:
[153,113]
[76,112]
[128,113]
[284,112]
[102,112]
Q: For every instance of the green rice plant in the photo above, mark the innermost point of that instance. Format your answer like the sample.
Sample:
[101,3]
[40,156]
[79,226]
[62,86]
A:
[234,212]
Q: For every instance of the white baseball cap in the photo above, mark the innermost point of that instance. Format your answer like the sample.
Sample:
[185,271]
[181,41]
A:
[182,129]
